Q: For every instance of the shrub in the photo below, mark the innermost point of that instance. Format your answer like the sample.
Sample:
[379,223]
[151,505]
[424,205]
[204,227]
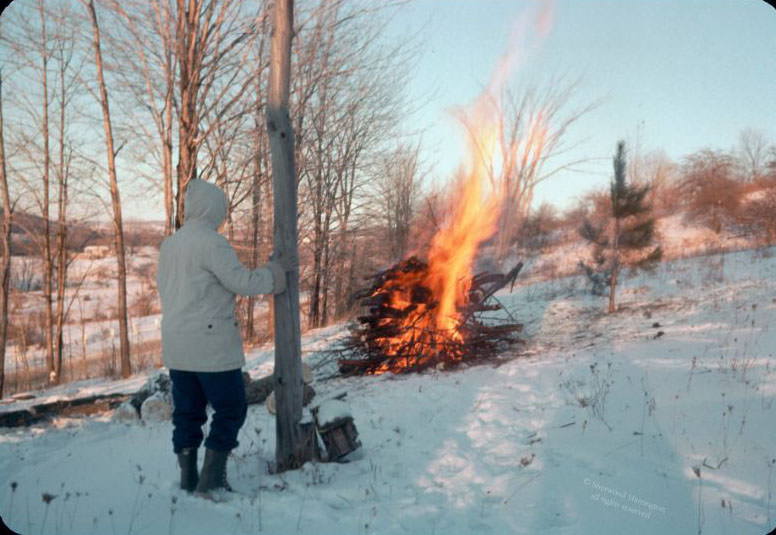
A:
[711,188]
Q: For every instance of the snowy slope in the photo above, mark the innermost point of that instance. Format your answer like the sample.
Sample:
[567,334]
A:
[602,425]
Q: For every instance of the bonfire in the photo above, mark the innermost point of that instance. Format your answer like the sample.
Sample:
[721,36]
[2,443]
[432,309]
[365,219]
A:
[425,313]
[402,331]
[430,311]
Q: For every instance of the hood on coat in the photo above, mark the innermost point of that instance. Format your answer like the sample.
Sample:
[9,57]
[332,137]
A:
[205,202]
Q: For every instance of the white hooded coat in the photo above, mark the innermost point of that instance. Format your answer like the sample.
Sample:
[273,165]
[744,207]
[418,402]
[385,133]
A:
[198,277]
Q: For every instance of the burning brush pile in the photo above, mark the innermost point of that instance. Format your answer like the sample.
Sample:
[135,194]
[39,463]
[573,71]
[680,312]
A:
[426,313]
[435,311]
[405,332]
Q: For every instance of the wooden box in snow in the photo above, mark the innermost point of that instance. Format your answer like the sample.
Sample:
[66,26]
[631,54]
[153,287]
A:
[336,427]
[311,450]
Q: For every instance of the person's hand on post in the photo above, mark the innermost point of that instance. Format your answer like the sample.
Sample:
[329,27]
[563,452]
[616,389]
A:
[287,263]
[280,267]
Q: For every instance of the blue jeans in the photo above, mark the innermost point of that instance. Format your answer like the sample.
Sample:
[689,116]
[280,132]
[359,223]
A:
[191,392]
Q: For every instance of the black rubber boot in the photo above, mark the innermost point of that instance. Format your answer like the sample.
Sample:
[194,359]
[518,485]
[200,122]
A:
[187,460]
[213,475]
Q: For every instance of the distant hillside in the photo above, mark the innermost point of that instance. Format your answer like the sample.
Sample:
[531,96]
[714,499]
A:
[28,229]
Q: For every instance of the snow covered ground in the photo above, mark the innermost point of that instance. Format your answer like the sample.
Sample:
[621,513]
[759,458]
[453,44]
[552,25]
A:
[91,297]
[657,419]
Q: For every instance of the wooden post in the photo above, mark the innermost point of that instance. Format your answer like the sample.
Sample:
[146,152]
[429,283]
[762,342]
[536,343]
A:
[289,452]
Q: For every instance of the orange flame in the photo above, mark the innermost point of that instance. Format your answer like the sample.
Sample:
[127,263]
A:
[435,324]
[473,221]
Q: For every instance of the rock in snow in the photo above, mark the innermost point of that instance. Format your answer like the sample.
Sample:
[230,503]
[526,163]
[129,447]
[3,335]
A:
[156,408]
[158,382]
[125,413]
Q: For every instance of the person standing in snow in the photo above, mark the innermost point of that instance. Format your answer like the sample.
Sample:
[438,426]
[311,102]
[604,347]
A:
[198,277]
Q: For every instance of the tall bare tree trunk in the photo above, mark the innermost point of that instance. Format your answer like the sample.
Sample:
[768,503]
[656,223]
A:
[288,362]
[169,73]
[255,202]
[61,231]
[268,225]
[325,277]
[314,307]
[126,368]
[47,260]
[188,81]
[339,300]
[5,267]
[61,279]
[169,201]
[259,163]
[351,275]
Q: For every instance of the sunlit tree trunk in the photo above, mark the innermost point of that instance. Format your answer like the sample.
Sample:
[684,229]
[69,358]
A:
[62,173]
[255,210]
[47,260]
[325,276]
[118,230]
[5,266]
[169,73]
[259,165]
[189,50]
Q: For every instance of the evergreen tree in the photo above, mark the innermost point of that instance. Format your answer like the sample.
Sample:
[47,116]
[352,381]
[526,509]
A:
[626,239]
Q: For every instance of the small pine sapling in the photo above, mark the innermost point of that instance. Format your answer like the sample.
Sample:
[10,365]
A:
[626,239]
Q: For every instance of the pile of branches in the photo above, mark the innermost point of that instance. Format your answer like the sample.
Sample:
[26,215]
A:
[479,336]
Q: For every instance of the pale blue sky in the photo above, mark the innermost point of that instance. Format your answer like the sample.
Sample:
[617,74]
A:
[677,75]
